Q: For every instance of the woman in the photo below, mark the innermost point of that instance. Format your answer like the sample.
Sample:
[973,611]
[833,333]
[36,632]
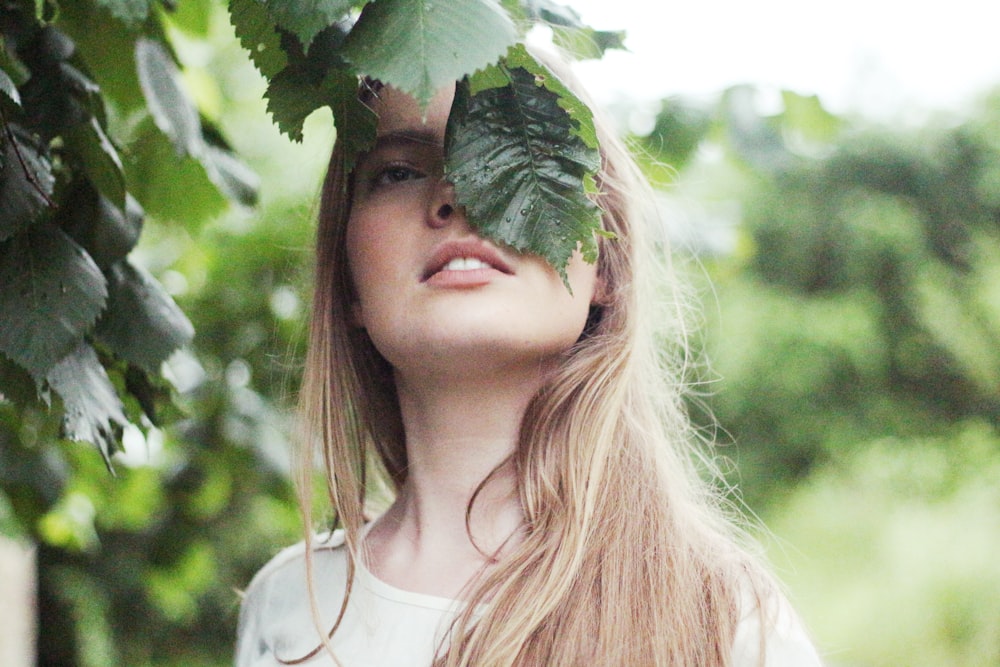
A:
[544,505]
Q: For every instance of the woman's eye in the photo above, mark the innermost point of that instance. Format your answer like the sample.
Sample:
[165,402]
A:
[392,174]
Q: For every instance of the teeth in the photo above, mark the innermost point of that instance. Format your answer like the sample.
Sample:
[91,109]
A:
[465,264]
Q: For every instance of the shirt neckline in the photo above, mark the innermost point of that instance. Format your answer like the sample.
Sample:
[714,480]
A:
[387,591]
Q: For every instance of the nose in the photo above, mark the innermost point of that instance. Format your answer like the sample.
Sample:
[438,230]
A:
[443,210]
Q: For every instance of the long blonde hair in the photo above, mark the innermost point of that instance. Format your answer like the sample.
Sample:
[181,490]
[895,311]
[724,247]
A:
[628,557]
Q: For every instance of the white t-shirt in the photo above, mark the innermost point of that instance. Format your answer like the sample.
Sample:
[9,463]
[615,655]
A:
[386,626]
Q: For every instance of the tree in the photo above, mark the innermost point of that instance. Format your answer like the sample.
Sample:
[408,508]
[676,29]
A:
[94,150]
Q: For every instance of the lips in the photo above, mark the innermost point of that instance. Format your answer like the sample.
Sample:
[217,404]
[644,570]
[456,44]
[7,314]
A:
[473,256]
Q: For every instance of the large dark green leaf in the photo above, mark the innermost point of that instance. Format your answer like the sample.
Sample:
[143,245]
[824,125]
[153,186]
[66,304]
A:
[419,46]
[141,324]
[307,18]
[26,180]
[521,171]
[171,107]
[580,114]
[52,294]
[99,159]
[92,411]
[58,95]
[255,29]
[105,231]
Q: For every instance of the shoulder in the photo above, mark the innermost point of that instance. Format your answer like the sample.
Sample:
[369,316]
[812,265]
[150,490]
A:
[276,605]
[771,628]
[289,564]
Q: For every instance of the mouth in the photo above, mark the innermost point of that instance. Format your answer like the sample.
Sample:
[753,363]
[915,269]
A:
[465,257]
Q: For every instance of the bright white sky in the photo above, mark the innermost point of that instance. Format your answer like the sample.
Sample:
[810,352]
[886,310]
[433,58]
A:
[883,58]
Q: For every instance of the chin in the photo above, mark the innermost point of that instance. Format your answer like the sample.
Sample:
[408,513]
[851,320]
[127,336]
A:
[469,352]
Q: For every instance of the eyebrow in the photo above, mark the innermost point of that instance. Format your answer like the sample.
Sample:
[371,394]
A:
[408,136]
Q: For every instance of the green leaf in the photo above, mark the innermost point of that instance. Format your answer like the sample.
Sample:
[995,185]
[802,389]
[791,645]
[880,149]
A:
[580,113]
[52,294]
[169,186]
[99,159]
[309,82]
[176,116]
[194,18]
[805,115]
[141,324]
[46,11]
[521,171]
[491,76]
[130,12]
[584,43]
[106,232]
[293,95]
[16,385]
[307,18]
[553,13]
[678,131]
[11,527]
[231,175]
[26,180]
[10,63]
[171,107]
[9,97]
[256,31]
[570,33]
[59,94]
[418,46]
[106,44]
[356,123]
[92,411]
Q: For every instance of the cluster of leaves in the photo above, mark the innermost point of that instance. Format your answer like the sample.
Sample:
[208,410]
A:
[521,147]
[142,568]
[100,143]
[82,327]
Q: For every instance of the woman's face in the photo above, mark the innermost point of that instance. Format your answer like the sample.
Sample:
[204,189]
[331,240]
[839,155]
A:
[431,293]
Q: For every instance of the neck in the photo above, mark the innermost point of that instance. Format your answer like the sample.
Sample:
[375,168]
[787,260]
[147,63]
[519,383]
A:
[460,432]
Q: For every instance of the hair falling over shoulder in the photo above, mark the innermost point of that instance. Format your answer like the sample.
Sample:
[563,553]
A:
[629,557]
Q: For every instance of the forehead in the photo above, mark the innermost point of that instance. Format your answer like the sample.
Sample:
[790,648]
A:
[399,112]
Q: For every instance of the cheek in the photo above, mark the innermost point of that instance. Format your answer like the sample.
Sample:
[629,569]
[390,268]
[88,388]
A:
[583,280]
[378,260]
[560,314]
[369,243]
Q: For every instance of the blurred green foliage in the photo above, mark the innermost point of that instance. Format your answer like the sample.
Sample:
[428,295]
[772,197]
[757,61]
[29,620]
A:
[853,349]
[852,335]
